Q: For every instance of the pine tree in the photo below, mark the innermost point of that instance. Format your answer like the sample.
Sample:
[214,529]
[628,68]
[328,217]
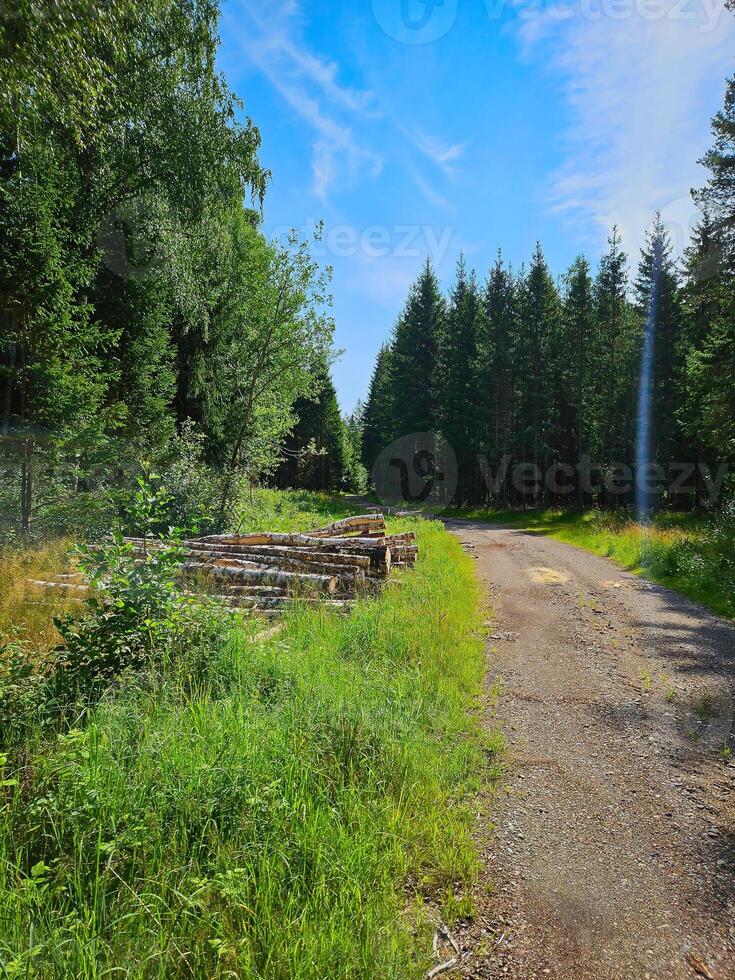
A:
[617,355]
[537,363]
[497,383]
[456,382]
[718,197]
[314,451]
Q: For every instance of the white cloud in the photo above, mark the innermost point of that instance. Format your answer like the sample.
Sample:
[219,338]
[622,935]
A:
[269,33]
[641,92]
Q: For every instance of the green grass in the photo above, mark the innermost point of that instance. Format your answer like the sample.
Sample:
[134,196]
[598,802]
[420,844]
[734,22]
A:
[285,811]
[692,553]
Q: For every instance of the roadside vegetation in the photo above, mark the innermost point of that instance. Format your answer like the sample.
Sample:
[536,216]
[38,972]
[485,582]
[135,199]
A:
[692,553]
[291,807]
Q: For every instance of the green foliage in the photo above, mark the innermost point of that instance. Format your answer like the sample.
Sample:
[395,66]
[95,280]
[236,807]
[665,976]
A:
[455,375]
[136,612]
[271,818]
[413,360]
[378,428]
[356,476]
[137,292]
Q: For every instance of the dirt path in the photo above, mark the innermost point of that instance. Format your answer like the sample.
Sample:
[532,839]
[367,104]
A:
[614,850]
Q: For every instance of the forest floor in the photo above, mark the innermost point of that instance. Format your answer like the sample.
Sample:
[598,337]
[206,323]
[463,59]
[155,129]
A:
[609,852]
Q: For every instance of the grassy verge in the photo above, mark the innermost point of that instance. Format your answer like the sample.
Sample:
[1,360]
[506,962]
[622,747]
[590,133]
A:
[281,809]
[27,610]
[691,553]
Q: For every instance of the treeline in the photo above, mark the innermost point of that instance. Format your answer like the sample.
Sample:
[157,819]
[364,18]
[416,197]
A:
[143,315]
[524,369]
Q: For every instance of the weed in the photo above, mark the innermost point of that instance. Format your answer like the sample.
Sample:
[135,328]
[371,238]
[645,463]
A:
[704,707]
[458,907]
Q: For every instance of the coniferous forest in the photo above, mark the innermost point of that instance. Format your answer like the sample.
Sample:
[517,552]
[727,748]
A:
[146,316]
[535,381]
[248,729]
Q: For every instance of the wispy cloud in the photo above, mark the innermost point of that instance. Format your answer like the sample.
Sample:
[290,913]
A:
[443,155]
[309,85]
[433,196]
[351,129]
[640,93]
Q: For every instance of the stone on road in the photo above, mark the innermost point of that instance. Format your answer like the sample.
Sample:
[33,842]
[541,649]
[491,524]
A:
[609,847]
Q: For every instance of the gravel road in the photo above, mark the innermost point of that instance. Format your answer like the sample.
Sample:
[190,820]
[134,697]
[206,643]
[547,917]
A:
[609,848]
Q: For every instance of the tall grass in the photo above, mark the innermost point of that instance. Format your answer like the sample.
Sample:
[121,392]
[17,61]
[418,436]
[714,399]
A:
[28,610]
[282,811]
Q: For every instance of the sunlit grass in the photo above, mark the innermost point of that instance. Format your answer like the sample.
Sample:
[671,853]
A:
[29,609]
[287,815]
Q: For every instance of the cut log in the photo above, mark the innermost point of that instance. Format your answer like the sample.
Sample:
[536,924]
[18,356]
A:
[348,546]
[285,602]
[300,554]
[261,576]
[368,523]
[295,540]
[268,591]
[324,566]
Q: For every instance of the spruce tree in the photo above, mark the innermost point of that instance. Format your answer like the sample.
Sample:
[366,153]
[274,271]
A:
[617,355]
[379,426]
[456,382]
[718,197]
[660,311]
[581,345]
[538,363]
[497,381]
[413,358]
[314,451]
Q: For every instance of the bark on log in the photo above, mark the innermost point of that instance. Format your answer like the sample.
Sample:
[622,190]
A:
[320,564]
[371,523]
[286,602]
[299,554]
[295,540]
[261,576]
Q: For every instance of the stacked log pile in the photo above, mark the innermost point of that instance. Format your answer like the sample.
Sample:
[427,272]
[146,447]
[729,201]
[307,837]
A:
[267,572]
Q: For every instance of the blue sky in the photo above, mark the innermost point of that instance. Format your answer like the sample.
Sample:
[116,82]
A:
[415,127]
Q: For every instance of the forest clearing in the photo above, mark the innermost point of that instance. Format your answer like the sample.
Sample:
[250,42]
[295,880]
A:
[367,513]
